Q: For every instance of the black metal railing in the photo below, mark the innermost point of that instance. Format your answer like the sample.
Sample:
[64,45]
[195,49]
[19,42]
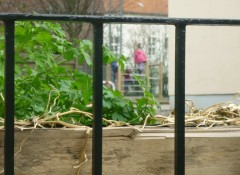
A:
[98,21]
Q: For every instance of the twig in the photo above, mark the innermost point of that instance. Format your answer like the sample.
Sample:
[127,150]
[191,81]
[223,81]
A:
[82,156]
[2,97]
[145,122]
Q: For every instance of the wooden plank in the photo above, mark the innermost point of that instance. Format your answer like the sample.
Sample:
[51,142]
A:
[127,151]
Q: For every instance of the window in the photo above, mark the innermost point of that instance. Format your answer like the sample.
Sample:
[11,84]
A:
[152,46]
[113,37]
[115,44]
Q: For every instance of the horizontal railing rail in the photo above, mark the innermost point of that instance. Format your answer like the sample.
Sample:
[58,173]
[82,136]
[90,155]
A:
[119,19]
[98,21]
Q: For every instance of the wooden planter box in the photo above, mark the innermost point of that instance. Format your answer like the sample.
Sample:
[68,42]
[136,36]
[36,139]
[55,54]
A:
[126,151]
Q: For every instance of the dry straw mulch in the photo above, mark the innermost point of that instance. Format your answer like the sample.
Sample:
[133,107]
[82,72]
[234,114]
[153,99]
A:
[222,114]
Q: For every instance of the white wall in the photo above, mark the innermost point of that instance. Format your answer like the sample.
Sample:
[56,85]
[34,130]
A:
[212,53]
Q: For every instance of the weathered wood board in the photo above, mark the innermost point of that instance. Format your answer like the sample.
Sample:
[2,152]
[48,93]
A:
[126,151]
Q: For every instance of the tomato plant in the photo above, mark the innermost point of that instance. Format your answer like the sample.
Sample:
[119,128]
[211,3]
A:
[43,84]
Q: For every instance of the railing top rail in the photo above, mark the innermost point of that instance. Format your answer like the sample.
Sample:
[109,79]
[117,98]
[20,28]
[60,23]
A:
[119,19]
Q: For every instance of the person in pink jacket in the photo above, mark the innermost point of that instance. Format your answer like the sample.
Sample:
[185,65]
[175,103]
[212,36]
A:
[140,58]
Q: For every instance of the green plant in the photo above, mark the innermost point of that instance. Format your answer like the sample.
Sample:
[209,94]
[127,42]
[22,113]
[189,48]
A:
[44,85]
[41,51]
[147,104]
[117,107]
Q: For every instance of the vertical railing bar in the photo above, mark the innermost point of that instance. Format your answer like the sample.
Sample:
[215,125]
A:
[9,98]
[97,99]
[180,35]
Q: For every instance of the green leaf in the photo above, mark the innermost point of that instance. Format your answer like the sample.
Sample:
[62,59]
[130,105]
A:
[108,94]
[108,56]
[107,104]
[121,103]
[69,54]
[117,116]
[86,57]
[87,44]
[43,37]
[142,102]
[122,62]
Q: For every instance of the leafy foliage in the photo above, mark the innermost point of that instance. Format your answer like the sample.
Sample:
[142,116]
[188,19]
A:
[42,81]
[146,105]
[116,107]
[41,49]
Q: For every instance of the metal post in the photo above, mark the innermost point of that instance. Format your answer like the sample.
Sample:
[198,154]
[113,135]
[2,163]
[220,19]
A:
[9,98]
[121,27]
[110,26]
[97,100]
[180,99]
[161,81]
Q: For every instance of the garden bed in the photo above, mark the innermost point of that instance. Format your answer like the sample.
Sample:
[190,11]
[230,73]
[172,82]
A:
[53,106]
[126,151]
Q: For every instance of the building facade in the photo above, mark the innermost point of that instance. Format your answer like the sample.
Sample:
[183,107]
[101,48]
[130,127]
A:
[212,52]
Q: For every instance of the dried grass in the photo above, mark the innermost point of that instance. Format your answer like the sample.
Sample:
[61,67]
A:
[222,114]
